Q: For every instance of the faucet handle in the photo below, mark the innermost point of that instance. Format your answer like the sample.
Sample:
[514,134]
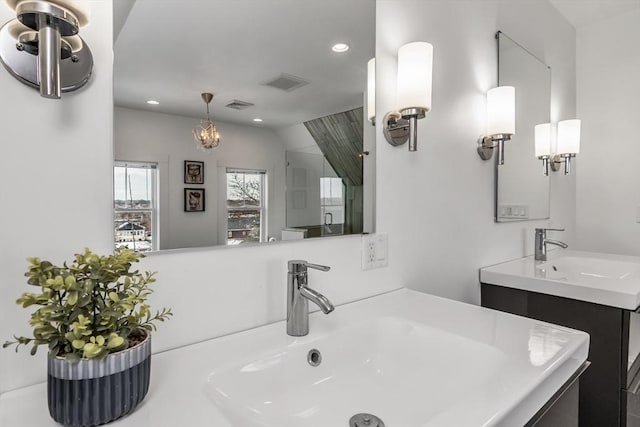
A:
[317,266]
[300,265]
[549,229]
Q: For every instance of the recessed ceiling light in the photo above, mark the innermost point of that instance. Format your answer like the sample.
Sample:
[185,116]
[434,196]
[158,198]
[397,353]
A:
[340,47]
[153,102]
[257,120]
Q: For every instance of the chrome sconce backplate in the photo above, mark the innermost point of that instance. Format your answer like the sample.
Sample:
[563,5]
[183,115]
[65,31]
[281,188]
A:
[400,127]
[559,159]
[486,145]
[396,129]
[41,48]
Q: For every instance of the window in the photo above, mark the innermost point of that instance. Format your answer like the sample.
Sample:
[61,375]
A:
[246,206]
[135,205]
[332,200]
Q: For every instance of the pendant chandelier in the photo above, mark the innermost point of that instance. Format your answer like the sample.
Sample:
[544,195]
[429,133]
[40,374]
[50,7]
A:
[206,135]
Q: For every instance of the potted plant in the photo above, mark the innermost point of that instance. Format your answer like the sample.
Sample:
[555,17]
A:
[93,316]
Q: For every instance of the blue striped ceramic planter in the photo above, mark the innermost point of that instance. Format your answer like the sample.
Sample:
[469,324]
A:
[93,392]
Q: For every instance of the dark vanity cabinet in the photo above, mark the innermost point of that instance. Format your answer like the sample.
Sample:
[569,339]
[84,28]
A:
[607,386]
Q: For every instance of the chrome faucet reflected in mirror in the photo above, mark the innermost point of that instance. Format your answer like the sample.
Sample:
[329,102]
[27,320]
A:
[542,242]
[299,295]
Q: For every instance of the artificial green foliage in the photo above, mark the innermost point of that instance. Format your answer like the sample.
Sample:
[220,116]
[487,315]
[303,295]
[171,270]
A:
[89,308]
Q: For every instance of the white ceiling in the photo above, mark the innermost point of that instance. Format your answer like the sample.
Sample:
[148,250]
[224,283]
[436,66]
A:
[173,50]
[584,12]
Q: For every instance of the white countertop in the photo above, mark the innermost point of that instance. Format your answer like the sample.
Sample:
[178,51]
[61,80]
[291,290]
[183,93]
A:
[536,360]
[606,279]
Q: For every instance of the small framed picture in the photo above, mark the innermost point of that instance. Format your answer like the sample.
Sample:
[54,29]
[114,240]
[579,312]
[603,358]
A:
[194,199]
[193,172]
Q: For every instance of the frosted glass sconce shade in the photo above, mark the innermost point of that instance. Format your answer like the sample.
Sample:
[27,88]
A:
[415,74]
[569,136]
[501,115]
[542,138]
[567,144]
[371,90]
[501,122]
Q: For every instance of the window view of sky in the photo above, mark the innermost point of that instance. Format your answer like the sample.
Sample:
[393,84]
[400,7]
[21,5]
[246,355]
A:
[139,181]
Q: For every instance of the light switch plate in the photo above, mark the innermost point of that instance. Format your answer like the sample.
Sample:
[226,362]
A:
[375,249]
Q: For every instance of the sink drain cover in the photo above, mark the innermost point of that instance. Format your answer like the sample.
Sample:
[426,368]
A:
[365,420]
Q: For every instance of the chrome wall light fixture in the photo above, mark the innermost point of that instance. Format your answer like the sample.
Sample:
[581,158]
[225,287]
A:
[206,135]
[542,141]
[568,145]
[501,122]
[42,48]
[415,75]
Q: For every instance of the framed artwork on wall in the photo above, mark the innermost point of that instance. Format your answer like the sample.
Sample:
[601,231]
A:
[194,199]
[193,172]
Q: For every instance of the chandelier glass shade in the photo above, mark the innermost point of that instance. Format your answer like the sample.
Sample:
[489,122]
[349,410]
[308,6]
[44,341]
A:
[206,136]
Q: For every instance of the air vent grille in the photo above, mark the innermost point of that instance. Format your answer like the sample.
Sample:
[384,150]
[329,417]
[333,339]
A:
[286,82]
[239,105]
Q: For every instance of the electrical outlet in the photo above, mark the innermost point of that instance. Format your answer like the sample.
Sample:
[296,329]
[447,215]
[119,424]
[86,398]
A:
[374,251]
[513,211]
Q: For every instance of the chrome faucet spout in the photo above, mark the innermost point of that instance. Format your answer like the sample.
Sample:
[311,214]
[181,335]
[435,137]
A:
[563,245]
[318,299]
[299,295]
[542,242]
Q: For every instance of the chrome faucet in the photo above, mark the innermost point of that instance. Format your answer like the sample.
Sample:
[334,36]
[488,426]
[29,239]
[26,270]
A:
[299,295]
[542,242]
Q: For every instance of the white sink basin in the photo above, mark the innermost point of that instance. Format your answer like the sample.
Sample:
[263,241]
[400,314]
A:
[409,358]
[382,367]
[606,279]
[590,270]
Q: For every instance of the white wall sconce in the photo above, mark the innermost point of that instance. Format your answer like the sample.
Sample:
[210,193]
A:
[42,48]
[501,122]
[415,75]
[371,91]
[542,138]
[568,145]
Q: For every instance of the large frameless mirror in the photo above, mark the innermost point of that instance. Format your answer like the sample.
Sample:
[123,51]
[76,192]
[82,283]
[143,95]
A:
[288,105]
[522,189]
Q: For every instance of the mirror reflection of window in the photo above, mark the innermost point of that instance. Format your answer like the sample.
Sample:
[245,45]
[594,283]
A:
[135,204]
[332,201]
[246,206]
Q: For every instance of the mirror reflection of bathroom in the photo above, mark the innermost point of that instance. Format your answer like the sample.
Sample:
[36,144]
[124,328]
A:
[274,96]
[522,192]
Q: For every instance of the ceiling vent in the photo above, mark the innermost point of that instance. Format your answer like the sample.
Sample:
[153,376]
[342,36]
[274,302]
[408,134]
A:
[239,105]
[286,82]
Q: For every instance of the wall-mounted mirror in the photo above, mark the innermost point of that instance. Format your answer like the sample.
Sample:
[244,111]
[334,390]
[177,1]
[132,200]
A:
[288,104]
[522,189]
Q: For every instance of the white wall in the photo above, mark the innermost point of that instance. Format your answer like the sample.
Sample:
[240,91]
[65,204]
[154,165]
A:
[608,166]
[55,179]
[437,203]
[297,138]
[166,139]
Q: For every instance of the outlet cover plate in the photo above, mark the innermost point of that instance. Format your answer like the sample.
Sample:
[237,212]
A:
[375,251]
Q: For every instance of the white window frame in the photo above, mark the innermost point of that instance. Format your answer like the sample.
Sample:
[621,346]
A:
[263,201]
[155,199]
